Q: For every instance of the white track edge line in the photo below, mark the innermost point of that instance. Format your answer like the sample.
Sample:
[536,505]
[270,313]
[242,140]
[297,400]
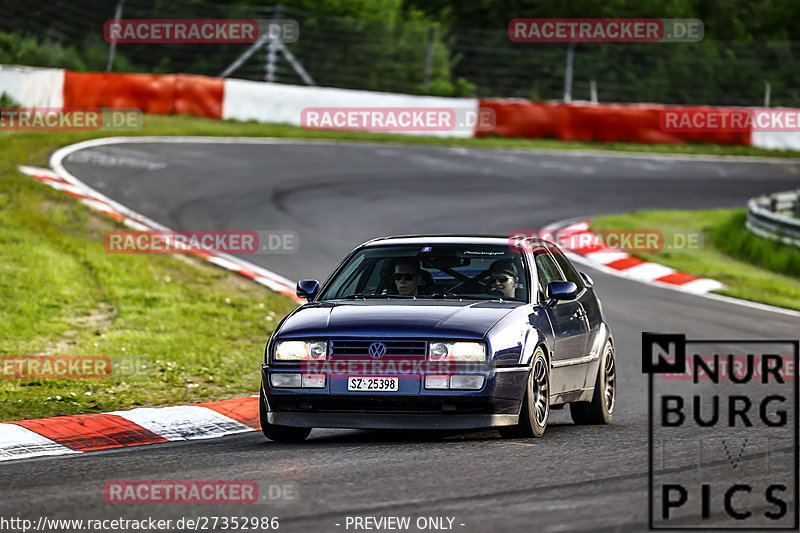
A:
[572,152]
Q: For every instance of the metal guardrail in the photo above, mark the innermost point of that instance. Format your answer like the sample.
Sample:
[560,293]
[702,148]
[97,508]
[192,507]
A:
[776,216]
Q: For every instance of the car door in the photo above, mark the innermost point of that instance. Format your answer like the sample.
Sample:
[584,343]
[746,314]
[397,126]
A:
[591,310]
[585,297]
[570,329]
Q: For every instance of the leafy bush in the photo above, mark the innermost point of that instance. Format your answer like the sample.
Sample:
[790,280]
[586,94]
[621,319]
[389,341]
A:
[19,49]
[7,102]
[733,238]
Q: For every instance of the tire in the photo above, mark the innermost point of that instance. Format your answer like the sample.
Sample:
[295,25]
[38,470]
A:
[601,409]
[536,402]
[279,433]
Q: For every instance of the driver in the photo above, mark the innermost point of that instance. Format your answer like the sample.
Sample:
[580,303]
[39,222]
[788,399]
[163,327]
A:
[503,278]
[407,276]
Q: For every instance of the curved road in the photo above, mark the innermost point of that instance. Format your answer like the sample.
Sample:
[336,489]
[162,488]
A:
[336,195]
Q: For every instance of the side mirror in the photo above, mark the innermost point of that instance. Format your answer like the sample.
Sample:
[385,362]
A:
[587,280]
[307,288]
[561,290]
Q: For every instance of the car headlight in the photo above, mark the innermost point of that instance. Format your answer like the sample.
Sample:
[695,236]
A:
[301,350]
[456,351]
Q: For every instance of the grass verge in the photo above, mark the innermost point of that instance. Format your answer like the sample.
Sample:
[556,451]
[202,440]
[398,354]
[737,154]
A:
[753,268]
[178,330]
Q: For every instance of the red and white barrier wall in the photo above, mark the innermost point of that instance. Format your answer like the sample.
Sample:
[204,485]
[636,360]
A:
[161,94]
[637,123]
[282,104]
[203,96]
[33,87]
[782,140]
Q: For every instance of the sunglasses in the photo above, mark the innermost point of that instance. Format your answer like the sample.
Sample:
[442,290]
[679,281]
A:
[408,276]
[501,279]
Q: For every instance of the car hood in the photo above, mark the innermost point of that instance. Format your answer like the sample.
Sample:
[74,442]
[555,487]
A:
[427,318]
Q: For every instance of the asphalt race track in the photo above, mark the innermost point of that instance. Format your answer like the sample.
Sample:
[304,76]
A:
[336,195]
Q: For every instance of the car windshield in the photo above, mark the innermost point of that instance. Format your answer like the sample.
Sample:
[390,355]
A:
[439,271]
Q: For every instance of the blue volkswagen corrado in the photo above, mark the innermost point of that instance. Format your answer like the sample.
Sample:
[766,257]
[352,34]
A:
[441,332]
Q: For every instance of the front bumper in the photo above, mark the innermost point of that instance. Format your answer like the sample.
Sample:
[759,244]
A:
[390,420]
[497,403]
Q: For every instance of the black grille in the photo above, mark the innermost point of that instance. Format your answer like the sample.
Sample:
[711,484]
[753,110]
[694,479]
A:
[394,347]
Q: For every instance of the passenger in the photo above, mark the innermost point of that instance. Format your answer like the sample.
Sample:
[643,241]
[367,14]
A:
[407,276]
[503,278]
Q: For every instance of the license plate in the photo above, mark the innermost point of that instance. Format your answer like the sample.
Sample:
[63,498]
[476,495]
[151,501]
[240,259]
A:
[373,384]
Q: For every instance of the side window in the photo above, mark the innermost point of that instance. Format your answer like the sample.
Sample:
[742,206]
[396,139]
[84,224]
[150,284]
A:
[547,271]
[370,284]
[569,271]
[345,281]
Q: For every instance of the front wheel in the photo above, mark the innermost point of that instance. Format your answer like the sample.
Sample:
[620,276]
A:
[279,433]
[536,403]
[601,408]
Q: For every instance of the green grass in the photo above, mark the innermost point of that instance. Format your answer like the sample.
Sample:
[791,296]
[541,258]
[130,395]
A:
[195,332]
[751,267]
[765,253]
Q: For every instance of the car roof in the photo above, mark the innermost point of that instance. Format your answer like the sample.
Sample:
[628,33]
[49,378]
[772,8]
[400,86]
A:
[501,240]
[439,239]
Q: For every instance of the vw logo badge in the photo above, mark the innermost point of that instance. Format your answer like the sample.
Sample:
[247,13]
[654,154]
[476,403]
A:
[377,349]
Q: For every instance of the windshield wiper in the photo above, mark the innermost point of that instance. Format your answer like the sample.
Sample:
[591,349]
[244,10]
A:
[376,296]
[487,297]
[446,296]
